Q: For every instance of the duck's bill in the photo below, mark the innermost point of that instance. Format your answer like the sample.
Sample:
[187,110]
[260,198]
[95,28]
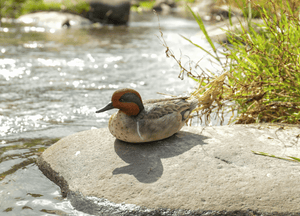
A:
[107,107]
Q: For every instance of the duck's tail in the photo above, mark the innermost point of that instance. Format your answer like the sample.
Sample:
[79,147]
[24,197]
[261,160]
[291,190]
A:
[193,103]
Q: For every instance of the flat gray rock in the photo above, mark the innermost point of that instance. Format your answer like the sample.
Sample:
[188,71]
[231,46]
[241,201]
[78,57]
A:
[199,170]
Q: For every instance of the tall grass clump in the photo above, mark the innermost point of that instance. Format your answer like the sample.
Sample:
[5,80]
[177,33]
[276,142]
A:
[261,72]
[264,73]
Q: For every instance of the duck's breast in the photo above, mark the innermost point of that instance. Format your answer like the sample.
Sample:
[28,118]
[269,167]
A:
[135,130]
[123,127]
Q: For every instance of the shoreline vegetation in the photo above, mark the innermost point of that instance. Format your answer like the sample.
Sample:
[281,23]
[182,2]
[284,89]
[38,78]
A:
[15,8]
[260,80]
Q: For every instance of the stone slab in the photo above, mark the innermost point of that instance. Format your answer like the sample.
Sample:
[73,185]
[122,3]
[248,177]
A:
[198,170]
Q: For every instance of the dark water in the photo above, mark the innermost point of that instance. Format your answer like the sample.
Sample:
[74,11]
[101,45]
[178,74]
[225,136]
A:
[53,80]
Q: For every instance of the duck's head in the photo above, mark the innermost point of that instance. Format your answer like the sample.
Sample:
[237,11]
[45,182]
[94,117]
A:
[127,100]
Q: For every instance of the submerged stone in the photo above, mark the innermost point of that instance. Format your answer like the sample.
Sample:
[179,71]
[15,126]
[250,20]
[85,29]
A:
[54,19]
[198,170]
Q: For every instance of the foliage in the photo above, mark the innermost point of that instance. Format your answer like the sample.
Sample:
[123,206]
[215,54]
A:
[143,6]
[148,4]
[16,8]
[256,5]
[79,8]
[261,79]
[264,76]
[187,1]
[39,5]
[10,8]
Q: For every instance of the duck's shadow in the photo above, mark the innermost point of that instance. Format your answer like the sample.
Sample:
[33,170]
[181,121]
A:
[144,159]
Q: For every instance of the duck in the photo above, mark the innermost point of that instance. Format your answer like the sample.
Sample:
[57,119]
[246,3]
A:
[139,121]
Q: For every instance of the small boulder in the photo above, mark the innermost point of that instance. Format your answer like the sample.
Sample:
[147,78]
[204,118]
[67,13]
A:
[164,6]
[54,19]
[199,169]
[114,12]
[222,12]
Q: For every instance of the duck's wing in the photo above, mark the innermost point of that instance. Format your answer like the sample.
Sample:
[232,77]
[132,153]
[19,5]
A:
[160,120]
[164,100]
[156,110]
[159,128]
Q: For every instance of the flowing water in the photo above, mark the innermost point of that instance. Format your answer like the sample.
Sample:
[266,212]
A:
[53,80]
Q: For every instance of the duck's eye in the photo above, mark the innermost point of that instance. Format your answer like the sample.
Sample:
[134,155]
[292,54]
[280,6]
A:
[122,100]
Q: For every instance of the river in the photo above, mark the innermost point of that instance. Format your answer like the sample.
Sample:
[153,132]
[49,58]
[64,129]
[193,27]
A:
[53,80]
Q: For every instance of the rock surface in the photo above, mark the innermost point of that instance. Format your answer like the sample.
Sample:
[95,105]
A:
[53,19]
[200,170]
[164,6]
[114,12]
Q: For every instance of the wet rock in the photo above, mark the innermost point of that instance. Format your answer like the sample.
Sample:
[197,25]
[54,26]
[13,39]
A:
[164,6]
[203,8]
[198,170]
[114,12]
[54,19]
[224,10]
[210,11]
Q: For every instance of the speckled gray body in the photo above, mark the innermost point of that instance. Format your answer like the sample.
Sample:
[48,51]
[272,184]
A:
[159,120]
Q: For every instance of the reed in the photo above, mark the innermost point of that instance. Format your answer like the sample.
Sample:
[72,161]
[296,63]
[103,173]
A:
[289,158]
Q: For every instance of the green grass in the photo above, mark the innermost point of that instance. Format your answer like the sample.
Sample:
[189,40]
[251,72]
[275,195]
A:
[260,79]
[143,5]
[34,5]
[264,68]
[187,1]
[261,72]
[256,5]
[66,5]
[148,4]
[290,158]
[16,8]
